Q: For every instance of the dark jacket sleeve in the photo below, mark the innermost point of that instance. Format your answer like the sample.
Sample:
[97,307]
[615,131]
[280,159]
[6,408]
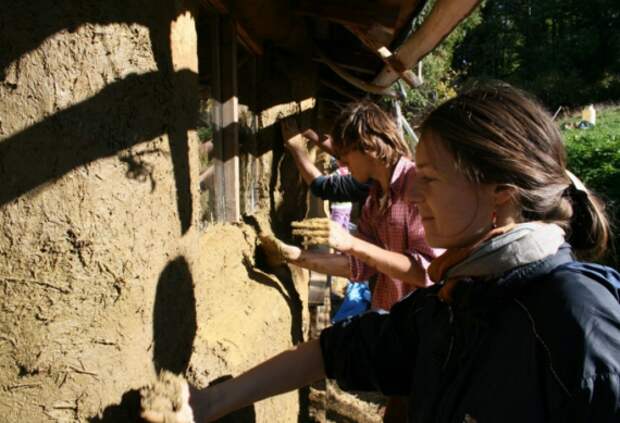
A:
[339,188]
[373,352]
[598,400]
[577,319]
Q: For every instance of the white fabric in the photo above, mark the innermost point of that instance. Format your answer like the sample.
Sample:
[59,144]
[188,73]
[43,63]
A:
[525,243]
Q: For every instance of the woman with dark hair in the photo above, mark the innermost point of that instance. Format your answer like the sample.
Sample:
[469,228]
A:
[515,329]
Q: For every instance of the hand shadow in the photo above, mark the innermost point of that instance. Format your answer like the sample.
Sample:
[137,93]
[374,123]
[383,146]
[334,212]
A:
[174,329]
[174,318]
[128,411]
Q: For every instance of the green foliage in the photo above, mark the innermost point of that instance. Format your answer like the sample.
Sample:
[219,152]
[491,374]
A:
[594,153]
[205,133]
[567,52]
[594,156]
[439,77]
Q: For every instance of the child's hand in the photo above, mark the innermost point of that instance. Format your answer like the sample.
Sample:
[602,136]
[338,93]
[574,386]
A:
[311,136]
[293,140]
[323,231]
[276,251]
[324,142]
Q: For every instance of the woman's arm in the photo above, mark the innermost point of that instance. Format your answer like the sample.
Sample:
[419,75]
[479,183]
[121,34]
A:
[286,371]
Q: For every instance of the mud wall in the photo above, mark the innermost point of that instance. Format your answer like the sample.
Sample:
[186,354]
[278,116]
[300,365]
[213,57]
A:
[104,274]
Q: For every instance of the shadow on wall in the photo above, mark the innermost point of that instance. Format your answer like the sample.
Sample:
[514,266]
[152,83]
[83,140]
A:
[174,330]
[125,113]
[286,288]
[174,318]
[128,411]
[287,191]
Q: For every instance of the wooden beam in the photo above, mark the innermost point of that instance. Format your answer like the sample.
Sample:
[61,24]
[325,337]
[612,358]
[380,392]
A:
[353,80]
[348,57]
[218,5]
[371,36]
[226,121]
[347,66]
[380,49]
[247,39]
[251,44]
[408,10]
[340,90]
[355,12]
[333,103]
[444,17]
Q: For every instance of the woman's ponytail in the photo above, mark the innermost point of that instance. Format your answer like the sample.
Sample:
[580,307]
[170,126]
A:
[589,227]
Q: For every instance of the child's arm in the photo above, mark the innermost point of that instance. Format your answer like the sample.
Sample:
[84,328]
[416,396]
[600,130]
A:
[409,269]
[294,143]
[339,188]
[323,141]
[330,264]
[395,265]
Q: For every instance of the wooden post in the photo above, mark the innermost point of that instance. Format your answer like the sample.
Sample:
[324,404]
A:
[226,120]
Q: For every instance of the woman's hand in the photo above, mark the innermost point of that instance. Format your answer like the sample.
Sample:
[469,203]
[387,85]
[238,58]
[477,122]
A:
[168,400]
[324,231]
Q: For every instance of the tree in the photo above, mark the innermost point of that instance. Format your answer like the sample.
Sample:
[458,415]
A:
[565,52]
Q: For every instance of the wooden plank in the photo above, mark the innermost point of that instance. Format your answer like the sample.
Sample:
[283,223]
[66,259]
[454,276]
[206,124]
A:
[216,195]
[371,36]
[355,12]
[218,5]
[348,57]
[230,119]
[380,49]
[353,80]
[444,17]
[251,44]
[340,90]
[247,39]
[408,10]
[226,120]
[347,66]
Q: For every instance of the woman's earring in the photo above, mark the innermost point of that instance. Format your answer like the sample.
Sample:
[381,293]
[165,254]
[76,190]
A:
[494,219]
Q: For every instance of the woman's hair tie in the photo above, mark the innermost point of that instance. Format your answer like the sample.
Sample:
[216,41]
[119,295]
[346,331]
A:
[577,189]
[576,183]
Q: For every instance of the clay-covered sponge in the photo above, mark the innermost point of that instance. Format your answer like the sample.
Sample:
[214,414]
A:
[167,400]
[315,231]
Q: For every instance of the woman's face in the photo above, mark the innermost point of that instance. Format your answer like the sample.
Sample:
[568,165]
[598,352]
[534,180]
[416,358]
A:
[455,212]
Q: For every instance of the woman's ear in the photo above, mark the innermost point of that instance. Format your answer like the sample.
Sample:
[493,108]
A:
[503,194]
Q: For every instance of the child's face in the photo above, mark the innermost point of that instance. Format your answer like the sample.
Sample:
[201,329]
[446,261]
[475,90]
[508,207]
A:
[455,212]
[359,164]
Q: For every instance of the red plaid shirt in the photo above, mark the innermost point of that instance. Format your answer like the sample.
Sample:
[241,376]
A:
[398,229]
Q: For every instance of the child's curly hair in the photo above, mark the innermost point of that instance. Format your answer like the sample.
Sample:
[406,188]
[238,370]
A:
[364,127]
